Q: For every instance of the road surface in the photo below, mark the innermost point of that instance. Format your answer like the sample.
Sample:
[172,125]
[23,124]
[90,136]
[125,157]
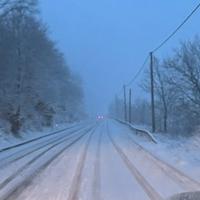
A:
[92,161]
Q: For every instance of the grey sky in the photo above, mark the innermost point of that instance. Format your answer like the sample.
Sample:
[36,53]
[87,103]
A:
[106,41]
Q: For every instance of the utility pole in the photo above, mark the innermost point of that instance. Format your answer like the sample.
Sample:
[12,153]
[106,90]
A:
[152,94]
[125,107]
[130,106]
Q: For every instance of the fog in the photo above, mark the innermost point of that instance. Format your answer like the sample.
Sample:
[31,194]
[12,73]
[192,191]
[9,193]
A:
[106,41]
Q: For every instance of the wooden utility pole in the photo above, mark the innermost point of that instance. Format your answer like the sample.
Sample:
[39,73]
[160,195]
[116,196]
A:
[130,106]
[125,107]
[152,93]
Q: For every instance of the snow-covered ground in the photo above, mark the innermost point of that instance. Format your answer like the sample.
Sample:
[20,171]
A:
[181,152]
[103,160]
[7,140]
[184,153]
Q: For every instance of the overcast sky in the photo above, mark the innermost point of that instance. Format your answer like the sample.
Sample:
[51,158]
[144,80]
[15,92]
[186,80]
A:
[106,41]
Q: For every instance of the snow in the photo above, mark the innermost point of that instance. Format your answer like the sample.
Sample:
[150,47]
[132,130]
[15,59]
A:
[117,181]
[8,140]
[20,172]
[181,152]
[140,129]
[106,163]
[60,190]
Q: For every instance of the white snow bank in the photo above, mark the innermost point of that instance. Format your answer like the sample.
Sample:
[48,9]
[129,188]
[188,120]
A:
[8,140]
[140,130]
[180,152]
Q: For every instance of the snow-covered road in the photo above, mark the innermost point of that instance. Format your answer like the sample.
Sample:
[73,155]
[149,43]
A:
[98,161]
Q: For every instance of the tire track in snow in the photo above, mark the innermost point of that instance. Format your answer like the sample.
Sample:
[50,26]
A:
[76,181]
[17,189]
[179,177]
[24,167]
[96,188]
[34,139]
[29,150]
[148,189]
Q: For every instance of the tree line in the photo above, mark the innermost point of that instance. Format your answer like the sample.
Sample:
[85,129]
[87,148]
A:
[177,92]
[37,88]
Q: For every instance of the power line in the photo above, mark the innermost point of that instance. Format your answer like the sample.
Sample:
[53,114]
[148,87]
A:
[151,72]
[162,44]
[177,29]
[135,77]
[139,72]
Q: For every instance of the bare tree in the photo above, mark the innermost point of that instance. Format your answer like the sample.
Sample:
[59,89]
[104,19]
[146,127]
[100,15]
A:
[166,93]
[184,68]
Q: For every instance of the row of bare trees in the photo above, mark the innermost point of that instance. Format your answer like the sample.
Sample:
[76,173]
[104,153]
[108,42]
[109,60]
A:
[37,88]
[177,90]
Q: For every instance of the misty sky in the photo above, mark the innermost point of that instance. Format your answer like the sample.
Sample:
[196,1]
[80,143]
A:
[106,41]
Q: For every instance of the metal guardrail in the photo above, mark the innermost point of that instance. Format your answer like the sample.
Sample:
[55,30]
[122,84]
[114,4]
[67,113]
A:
[140,130]
[34,139]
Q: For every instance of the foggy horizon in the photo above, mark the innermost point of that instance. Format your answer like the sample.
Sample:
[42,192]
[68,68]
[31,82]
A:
[106,42]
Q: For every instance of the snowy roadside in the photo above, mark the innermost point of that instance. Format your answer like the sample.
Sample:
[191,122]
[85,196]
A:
[143,131]
[180,152]
[7,140]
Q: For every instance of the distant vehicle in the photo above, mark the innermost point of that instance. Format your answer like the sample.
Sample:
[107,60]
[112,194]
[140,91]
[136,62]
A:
[100,117]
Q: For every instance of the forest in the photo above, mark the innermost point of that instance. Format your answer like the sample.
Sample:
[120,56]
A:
[177,92]
[37,88]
